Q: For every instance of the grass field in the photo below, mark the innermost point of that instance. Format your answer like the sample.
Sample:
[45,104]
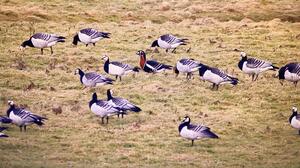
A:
[251,118]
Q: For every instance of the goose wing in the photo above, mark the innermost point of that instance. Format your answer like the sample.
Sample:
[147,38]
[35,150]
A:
[256,63]
[202,131]
[93,76]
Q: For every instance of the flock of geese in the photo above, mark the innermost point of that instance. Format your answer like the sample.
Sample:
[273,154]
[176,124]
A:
[120,106]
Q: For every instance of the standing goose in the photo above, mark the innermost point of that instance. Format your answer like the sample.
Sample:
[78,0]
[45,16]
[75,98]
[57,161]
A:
[118,68]
[89,36]
[151,66]
[168,41]
[121,103]
[22,117]
[290,72]
[2,135]
[194,132]
[42,40]
[92,79]
[295,119]
[216,76]
[187,66]
[253,66]
[5,120]
[103,108]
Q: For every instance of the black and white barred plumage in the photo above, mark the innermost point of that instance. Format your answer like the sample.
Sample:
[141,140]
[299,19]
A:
[253,66]
[187,66]
[290,72]
[216,76]
[169,41]
[89,36]
[22,117]
[43,40]
[103,108]
[194,132]
[118,68]
[122,103]
[92,79]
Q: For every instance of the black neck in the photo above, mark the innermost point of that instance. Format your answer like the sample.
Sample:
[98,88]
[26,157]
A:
[94,99]
[76,39]
[202,69]
[293,115]
[154,44]
[242,62]
[81,73]
[109,96]
[106,64]
[11,108]
[27,43]
[183,125]
[281,72]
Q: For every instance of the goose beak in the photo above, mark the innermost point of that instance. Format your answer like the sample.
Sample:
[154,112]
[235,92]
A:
[22,48]
[281,82]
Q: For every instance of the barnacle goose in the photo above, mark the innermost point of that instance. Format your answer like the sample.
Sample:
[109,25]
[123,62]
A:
[151,66]
[42,40]
[2,135]
[186,65]
[295,119]
[290,72]
[22,117]
[253,66]
[194,132]
[92,79]
[121,103]
[216,76]
[5,120]
[118,68]
[168,41]
[89,36]
[103,108]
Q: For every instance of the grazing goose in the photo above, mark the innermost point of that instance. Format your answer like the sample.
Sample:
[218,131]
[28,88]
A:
[118,68]
[89,36]
[92,79]
[253,66]
[42,40]
[5,120]
[290,72]
[216,76]
[151,66]
[168,41]
[22,117]
[295,119]
[2,135]
[103,108]
[187,66]
[194,132]
[121,103]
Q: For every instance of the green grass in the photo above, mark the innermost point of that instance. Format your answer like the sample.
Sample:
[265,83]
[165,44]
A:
[251,118]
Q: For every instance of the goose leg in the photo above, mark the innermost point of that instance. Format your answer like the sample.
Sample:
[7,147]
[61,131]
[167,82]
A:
[295,83]
[252,77]
[174,50]
[256,76]
[86,45]
[167,50]
[120,78]
[24,128]
[20,128]
[42,51]
[102,120]
[217,87]
[299,132]
[51,50]
[122,115]
[106,119]
[116,77]
[118,115]
[213,86]
[192,142]
[94,44]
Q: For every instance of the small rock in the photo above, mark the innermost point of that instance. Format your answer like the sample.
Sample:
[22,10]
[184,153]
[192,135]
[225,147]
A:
[57,109]
[165,6]
[52,89]
[29,87]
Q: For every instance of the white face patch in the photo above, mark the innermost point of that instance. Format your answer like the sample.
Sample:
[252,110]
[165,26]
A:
[294,109]
[10,102]
[243,54]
